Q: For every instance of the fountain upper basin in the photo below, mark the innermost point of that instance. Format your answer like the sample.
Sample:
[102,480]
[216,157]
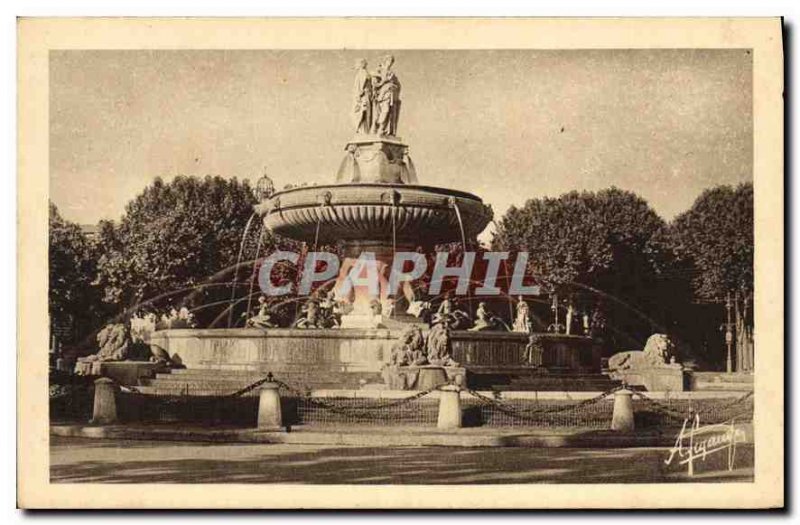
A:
[365,212]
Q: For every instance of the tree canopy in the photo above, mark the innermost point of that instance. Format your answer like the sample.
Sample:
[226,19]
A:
[175,236]
[715,237]
[596,248]
[74,300]
[585,237]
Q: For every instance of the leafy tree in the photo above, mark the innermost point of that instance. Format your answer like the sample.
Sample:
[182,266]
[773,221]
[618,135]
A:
[74,302]
[714,241]
[716,237]
[178,244]
[606,249]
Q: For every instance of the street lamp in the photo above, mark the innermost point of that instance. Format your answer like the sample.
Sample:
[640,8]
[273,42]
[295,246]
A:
[264,188]
[728,327]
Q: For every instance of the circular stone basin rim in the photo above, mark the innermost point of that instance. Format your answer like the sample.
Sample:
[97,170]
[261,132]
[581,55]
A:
[431,189]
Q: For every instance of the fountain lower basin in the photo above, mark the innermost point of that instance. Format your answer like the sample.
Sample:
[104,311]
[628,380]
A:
[352,358]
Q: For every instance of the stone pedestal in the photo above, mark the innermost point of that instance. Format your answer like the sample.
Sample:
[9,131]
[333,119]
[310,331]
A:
[430,377]
[372,158]
[667,378]
[130,372]
[362,321]
[269,407]
[105,402]
[422,377]
[622,418]
[655,367]
[87,368]
[449,408]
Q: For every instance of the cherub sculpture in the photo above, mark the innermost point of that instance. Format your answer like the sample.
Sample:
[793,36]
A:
[263,318]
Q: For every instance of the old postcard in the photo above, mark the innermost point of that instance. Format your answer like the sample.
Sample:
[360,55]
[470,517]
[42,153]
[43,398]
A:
[455,263]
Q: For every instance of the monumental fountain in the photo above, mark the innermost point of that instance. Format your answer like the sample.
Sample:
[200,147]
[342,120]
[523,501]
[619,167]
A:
[377,205]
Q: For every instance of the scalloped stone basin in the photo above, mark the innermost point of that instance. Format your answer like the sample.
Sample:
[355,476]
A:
[369,213]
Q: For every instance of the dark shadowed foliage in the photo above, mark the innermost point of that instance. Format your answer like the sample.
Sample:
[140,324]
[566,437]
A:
[602,250]
[713,241]
[75,304]
[177,245]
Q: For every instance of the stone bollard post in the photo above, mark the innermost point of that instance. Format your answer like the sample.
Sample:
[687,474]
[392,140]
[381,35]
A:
[449,407]
[622,418]
[105,402]
[269,407]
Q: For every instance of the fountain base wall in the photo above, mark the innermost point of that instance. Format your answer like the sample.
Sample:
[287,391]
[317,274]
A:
[350,358]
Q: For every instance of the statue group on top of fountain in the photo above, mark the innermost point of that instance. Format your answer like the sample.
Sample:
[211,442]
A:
[377,98]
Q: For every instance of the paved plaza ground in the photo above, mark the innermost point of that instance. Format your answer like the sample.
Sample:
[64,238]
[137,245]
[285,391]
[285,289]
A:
[79,460]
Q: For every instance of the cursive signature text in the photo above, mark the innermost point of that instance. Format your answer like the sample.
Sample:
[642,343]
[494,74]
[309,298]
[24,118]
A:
[697,443]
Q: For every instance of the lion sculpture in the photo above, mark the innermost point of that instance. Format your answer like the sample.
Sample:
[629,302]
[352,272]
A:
[114,341]
[658,352]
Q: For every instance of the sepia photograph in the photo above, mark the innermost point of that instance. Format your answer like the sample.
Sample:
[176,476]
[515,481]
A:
[529,261]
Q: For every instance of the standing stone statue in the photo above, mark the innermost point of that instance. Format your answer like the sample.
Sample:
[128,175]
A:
[570,318]
[523,321]
[362,96]
[386,98]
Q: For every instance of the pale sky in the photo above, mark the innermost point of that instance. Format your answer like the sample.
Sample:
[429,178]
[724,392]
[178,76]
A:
[506,125]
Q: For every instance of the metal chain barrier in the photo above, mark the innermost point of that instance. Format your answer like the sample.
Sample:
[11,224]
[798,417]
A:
[252,386]
[361,411]
[175,400]
[660,408]
[565,415]
[373,410]
[512,410]
[341,408]
[673,413]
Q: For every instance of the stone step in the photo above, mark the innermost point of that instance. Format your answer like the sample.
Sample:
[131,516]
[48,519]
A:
[263,369]
[564,386]
[703,386]
[245,380]
[531,379]
[201,381]
[245,375]
[232,386]
[221,390]
[529,371]
[180,390]
[548,387]
[722,377]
